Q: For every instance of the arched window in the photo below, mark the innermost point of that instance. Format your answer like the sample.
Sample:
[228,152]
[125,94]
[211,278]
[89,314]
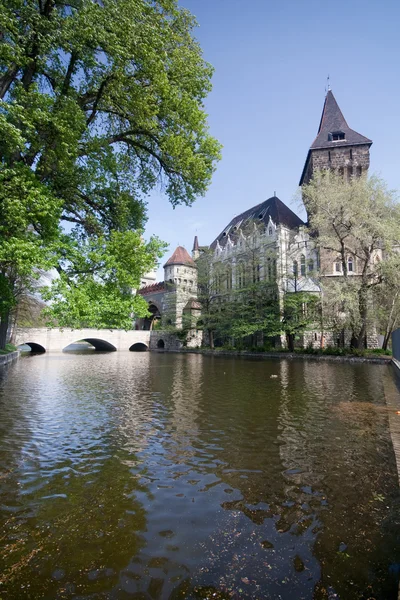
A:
[295,268]
[303,265]
[270,230]
[350,264]
[256,273]
[241,275]
[229,278]
[310,266]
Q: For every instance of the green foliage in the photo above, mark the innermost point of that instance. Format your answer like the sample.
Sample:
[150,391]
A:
[360,218]
[99,102]
[9,348]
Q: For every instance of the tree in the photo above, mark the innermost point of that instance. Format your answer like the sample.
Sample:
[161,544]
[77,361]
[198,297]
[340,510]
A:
[356,224]
[99,103]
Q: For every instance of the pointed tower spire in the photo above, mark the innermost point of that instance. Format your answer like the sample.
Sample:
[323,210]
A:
[334,134]
[195,250]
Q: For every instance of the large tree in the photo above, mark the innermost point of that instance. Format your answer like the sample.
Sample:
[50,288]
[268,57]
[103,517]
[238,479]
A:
[356,224]
[99,102]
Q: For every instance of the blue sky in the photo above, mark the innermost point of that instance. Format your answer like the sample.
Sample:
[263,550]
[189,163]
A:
[271,61]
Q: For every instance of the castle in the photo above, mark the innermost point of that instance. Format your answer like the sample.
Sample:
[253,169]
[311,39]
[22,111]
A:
[275,238]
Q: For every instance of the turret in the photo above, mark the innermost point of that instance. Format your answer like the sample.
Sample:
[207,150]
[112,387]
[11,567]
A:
[336,146]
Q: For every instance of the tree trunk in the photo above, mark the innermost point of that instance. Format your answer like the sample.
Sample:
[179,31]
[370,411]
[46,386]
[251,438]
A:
[211,338]
[4,320]
[290,341]
[363,308]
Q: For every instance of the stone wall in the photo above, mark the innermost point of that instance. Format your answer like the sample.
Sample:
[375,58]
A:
[7,358]
[171,342]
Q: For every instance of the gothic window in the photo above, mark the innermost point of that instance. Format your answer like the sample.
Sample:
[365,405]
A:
[270,231]
[295,268]
[310,266]
[241,275]
[350,264]
[303,265]
[229,278]
[256,273]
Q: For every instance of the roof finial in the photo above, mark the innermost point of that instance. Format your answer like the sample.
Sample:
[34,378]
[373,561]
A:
[328,85]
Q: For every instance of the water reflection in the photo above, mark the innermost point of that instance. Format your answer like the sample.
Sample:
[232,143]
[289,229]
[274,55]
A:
[172,476]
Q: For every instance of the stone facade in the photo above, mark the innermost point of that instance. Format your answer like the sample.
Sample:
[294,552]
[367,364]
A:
[268,242]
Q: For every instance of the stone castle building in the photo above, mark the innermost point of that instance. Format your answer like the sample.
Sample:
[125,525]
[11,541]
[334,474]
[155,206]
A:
[269,235]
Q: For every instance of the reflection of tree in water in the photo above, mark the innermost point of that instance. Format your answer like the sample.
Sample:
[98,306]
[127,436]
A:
[203,477]
[338,452]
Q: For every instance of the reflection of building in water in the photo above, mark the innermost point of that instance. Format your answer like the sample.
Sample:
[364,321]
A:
[186,391]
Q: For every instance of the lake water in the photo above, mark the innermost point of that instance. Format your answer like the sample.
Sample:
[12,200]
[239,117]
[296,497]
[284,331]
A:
[167,476]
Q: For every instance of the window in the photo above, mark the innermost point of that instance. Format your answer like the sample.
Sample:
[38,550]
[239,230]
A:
[229,278]
[295,269]
[310,266]
[303,265]
[335,136]
[338,266]
[241,275]
[256,273]
[270,231]
[269,269]
[350,264]
[349,172]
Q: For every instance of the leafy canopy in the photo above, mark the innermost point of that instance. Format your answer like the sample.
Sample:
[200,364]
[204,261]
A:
[99,102]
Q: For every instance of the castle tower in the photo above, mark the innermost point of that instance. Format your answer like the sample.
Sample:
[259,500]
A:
[336,146]
[195,249]
[180,276]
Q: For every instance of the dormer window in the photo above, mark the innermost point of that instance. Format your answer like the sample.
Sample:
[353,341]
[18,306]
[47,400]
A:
[335,136]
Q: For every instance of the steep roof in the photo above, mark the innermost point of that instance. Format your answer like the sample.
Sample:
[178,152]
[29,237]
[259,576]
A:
[180,257]
[332,121]
[273,207]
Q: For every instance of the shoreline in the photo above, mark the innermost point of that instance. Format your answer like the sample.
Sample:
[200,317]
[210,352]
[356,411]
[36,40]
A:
[288,355]
[5,359]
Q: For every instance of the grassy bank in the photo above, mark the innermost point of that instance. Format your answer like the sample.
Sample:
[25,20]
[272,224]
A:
[329,351]
[9,348]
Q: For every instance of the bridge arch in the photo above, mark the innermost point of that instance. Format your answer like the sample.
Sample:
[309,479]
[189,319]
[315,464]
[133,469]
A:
[98,344]
[139,347]
[160,344]
[36,348]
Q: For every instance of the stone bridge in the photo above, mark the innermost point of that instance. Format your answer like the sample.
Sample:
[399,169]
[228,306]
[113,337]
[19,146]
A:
[56,340]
